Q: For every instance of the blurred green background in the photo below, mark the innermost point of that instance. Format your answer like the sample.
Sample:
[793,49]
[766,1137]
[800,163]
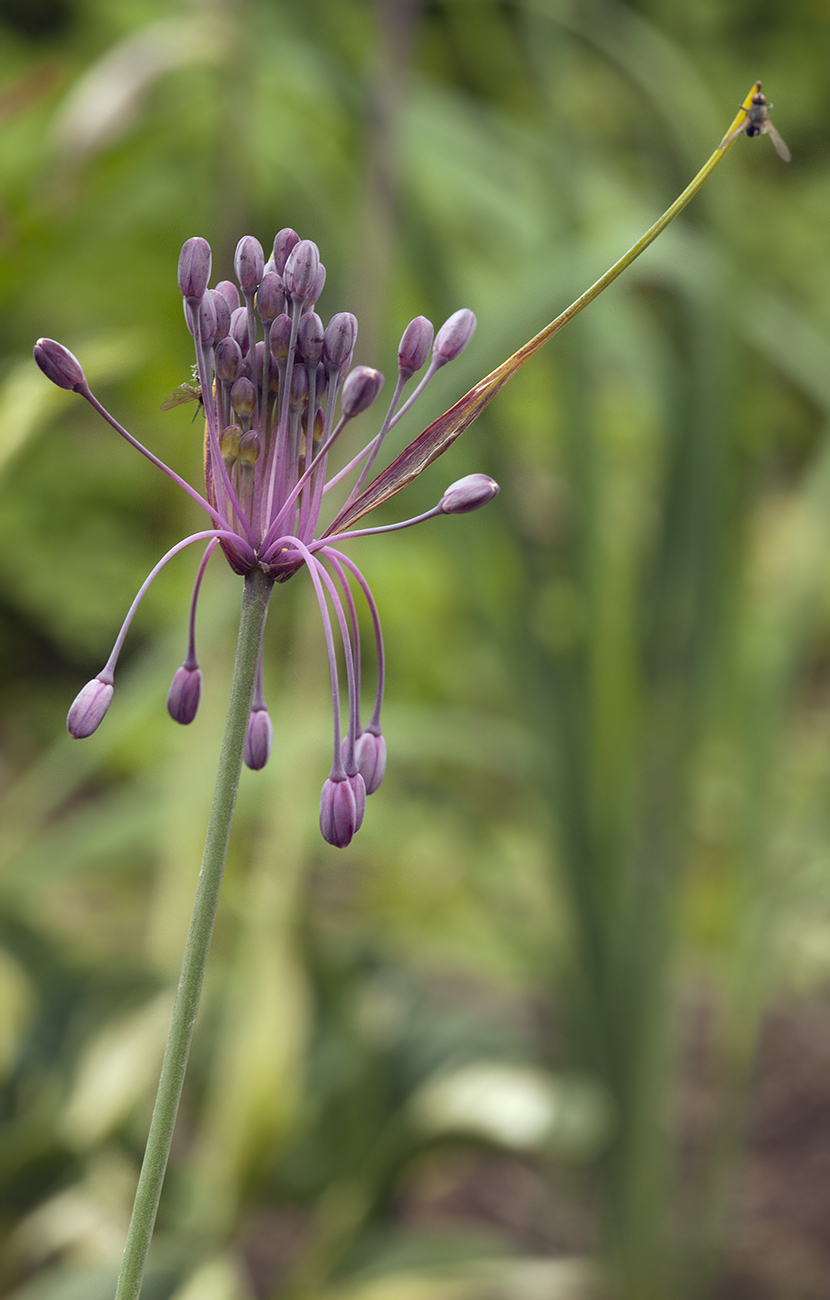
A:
[556,1024]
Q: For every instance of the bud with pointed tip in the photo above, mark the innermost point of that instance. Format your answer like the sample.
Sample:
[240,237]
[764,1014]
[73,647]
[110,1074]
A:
[283,244]
[415,344]
[468,493]
[259,739]
[360,388]
[194,267]
[454,335]
[243,396]
[88,708]
[249,263]
[59,364]
[301,269]
[184,694]
[340,338]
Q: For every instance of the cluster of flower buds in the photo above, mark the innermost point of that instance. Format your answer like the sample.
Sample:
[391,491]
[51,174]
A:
[278,390]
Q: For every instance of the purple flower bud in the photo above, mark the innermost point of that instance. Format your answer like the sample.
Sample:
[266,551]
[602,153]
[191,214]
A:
[270,299]
[454,335]
[340,816]
[370,752]
[300,274]
[184,694]
[468,493]
[58,364]
[310,337]
[239,328]
[340,338]
[299,386]
[249,262]
[243,397]
[223,314]
[283,244]
[281,337]
[194,267]
[227,360]
[229,290]
[318,285]
[259,739]
[88,708]
[416,342]
[207,318]
[360,388]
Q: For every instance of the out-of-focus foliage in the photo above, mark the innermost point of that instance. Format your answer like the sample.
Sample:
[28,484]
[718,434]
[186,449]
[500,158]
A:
[439,1063]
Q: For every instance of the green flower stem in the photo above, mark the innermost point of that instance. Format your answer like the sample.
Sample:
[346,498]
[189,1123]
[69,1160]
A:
[251,627]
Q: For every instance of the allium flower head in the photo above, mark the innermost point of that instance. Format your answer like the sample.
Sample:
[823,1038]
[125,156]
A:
[278,394]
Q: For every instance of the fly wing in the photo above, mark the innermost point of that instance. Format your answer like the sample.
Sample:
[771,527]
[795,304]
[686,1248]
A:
[178,397]
[780,145]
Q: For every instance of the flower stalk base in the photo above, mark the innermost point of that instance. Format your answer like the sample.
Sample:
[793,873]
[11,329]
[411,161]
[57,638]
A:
[255,599]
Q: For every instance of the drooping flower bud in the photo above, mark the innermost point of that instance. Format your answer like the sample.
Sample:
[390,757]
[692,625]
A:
[468,493]
[249,263]
[370,752]
[340,816]
[194,267]
[283,244]
[270,299]
[415,344]
[184,694]
[59,364]
[259,739]
[88,708]
[360,388]
[340,338]
[454,335]
[301,268]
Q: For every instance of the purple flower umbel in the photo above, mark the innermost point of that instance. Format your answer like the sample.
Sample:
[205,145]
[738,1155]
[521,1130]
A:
[272,377]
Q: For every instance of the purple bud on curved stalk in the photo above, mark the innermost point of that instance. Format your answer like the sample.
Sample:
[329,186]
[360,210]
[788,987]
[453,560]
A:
[370,752]
[194,267]
[360,388]
[249,262]
[207,318]
[283,244]
[454,335]
[227,360]
[259,739]
[468,493]
[339,813]
[310,337]
[281,337]
[415,344]
[270,299]
[223,314]
[59,364]
[184,694]
[229,290]
[300,274]
[88,708]
[340,338]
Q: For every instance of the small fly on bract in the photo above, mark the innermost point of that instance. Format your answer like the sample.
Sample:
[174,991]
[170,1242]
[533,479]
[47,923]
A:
[757,122]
